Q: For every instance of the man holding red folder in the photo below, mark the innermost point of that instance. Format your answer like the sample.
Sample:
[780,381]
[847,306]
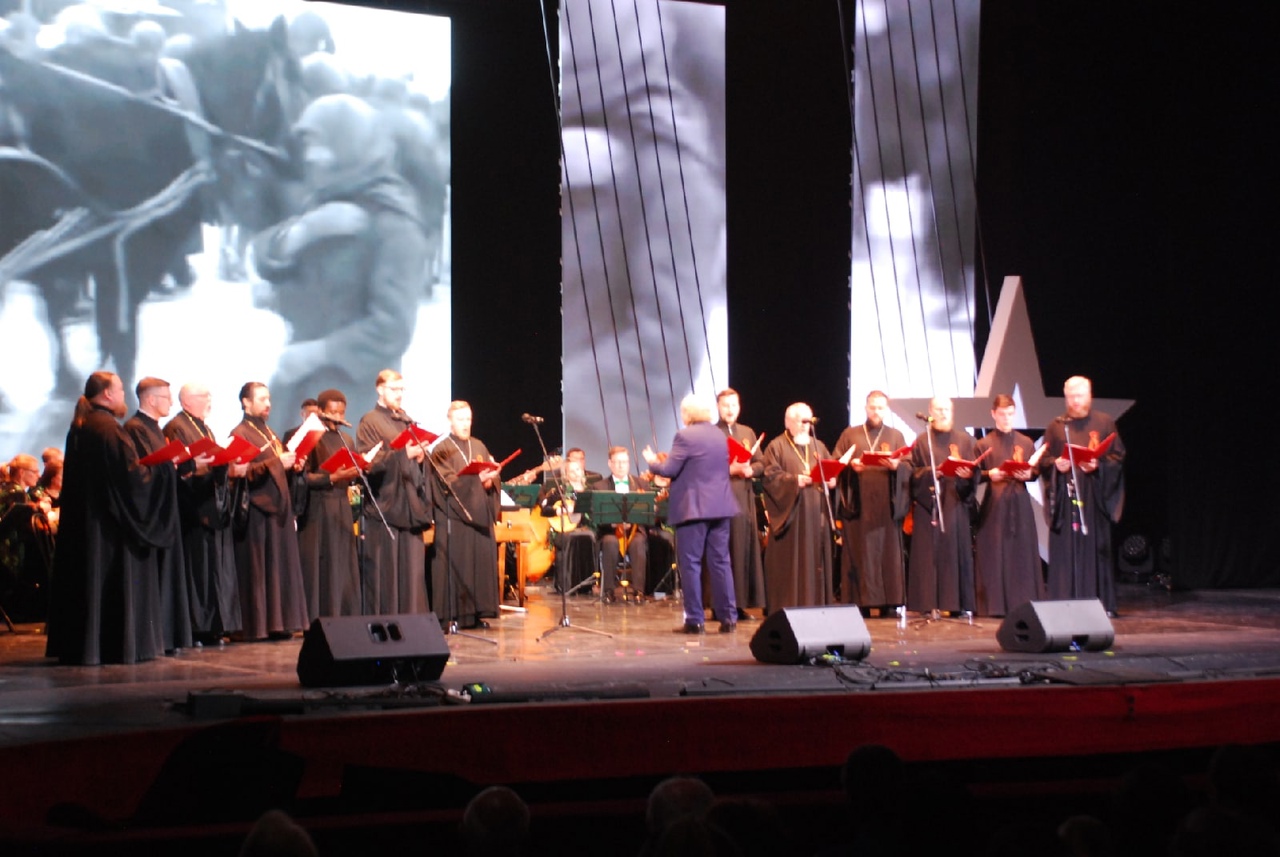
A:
[1084,497]
[326,540]
[394,554]
[797,563]
[204,510]
[944,482]
[464,574]
[154,403]
[1006,550]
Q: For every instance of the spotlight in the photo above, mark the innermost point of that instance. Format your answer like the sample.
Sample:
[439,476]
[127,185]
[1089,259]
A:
[1136,560]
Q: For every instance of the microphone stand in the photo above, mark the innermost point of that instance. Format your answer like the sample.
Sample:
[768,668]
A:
[451,624]
[940,521]
[561,570]
[938,518]
[1077,501]
[832,533]
[368,492]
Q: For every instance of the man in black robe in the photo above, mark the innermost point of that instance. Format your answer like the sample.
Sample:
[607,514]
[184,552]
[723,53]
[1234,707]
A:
[105,603]
[940,572]
[154,402]
[272,598]
[326,538]
[464,572]
[744,532]
[873,501]
[204,510]
[797,561]
[395,558]
[1083,499]
[1006,549]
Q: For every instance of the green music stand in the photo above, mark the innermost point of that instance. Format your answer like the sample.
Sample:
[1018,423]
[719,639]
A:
[525,496]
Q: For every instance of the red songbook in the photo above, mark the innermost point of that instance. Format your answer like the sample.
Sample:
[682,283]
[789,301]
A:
[307,436]
[344,458]
[238,451]
[1084,453]
[414,433]
[882,459]
[308,443]
[1017,469]
[476,468]
[826,468]
[204,446]
[173,452]
[951,465]
[738,453]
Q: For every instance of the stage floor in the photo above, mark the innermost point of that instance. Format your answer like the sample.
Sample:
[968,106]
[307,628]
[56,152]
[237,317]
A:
[623,649]
[575,713]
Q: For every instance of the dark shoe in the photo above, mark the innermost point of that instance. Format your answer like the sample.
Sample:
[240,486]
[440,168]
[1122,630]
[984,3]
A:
[744,616]
[481,625]
[689,628]
[728,627]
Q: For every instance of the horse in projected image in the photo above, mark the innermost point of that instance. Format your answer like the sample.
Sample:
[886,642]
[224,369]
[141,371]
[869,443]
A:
[114,183]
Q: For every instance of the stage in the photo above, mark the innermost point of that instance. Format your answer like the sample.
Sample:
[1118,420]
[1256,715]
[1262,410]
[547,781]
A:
[583,724]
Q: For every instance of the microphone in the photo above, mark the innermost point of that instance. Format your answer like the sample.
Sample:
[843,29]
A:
[921,415]
[335,420]
[811,421]
[1061,419]
[402,417]
[531,419]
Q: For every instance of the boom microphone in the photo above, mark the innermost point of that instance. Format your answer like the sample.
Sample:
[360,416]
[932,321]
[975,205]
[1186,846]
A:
[921,415]
[531,419]
[335,420]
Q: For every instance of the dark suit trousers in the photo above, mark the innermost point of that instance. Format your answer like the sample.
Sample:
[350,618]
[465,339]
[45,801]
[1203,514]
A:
[710,539]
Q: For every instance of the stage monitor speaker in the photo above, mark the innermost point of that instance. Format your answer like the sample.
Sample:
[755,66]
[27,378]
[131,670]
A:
[797,634]
[1056,626]
[340,651]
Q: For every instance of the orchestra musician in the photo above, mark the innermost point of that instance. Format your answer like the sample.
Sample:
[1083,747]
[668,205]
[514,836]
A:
[574,538]
[619,540]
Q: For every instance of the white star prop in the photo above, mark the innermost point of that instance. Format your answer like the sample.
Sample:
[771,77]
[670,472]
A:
[1009,365]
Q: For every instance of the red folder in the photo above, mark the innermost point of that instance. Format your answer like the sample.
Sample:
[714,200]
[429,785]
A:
[173,452]
[308,443]
[204,446]
[1084,453]
[1016,469]
[413,434]
[238,451]
[951,465]
[343,458]
[476,468]
[826,468]
[738,454]
[882,459]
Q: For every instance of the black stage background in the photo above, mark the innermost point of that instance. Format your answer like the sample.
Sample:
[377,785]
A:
[1124,173]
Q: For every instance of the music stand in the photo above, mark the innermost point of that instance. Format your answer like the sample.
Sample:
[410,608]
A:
[610,508]
[660,515]
[524,496]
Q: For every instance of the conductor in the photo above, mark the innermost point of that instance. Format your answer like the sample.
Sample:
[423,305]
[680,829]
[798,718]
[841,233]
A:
[701,509]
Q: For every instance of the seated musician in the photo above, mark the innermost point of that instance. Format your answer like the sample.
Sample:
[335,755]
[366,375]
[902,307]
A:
[629,540]
[26,542]
[573,537]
